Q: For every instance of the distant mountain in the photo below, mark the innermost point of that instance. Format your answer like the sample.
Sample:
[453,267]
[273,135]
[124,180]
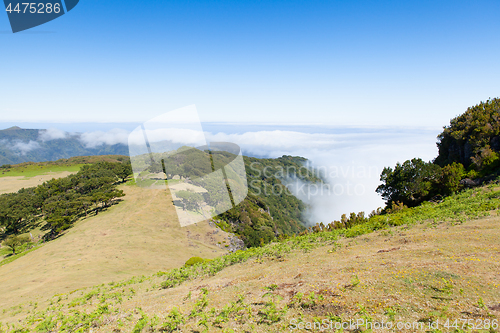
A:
[19,145]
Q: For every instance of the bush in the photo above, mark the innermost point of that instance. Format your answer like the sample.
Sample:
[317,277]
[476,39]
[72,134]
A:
[194,260]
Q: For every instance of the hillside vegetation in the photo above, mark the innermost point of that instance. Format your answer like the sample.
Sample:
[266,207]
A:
[58,203]
[270,210]
[30,174]
[404,267]
[473,137]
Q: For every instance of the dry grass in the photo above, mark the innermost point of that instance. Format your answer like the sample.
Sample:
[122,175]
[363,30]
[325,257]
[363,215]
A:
[14,184]
[427,272]
[139,236]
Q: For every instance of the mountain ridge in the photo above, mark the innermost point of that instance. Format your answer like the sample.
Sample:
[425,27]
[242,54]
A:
[18,145]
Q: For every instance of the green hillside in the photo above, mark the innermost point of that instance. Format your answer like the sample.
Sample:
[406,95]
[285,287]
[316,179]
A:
[73,164]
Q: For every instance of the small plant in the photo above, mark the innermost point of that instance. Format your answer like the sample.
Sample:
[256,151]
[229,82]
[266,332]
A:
[354,281]
[334,318]
[174,321]
[391,313]
[194,260]
[297,300]
[480,303]
[270,289]
[143,321]
[200,304]
[448,286]
[270,313]
[336,246]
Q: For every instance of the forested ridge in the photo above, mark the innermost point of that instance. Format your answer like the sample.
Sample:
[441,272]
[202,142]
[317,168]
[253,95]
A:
[270,210]
[472,138]
[18,145]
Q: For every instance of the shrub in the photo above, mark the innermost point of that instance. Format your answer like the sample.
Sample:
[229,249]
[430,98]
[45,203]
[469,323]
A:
[194,260]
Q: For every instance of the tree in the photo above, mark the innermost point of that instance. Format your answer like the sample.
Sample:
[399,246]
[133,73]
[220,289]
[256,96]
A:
[123,170]
[469,133]
[410,183]
[14,242]
[450,179]
[17,212]
[486,161]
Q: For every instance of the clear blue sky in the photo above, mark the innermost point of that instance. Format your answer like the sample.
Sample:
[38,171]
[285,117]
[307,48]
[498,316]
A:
[398,63]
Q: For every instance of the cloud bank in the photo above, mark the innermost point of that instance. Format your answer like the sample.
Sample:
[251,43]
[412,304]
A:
[351,161]
[24,147]
[52,134]
[98,138]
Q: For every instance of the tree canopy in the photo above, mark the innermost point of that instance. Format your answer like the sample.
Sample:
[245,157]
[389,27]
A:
[471,136]
[58,203]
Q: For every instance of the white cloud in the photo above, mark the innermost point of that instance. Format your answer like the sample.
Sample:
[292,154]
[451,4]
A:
[352,162]
[24,147]
[52,134]
[112,137]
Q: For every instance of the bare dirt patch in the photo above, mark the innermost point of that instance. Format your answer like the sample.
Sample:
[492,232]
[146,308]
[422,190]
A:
[14,184]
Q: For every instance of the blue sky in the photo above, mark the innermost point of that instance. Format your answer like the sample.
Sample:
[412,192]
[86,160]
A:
[341,63]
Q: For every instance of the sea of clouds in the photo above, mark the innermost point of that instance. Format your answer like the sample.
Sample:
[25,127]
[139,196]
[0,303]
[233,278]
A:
[350,159]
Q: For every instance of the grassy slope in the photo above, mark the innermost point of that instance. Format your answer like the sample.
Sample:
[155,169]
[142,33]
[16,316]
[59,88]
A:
[437,267]
[139,236]
[14,184]
[36,170]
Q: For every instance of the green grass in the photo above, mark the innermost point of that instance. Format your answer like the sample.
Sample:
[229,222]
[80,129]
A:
[469,204]
[29,171]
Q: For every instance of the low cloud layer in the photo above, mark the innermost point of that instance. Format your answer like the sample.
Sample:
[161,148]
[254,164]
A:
[351,161]
[98,138]
[24,147]
[52,134]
